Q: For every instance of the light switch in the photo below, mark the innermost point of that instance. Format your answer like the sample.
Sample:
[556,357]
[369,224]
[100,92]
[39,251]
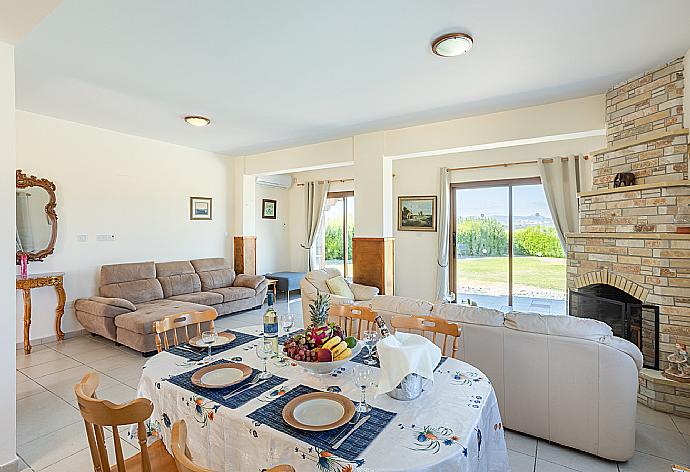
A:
[105,237]
[82,238]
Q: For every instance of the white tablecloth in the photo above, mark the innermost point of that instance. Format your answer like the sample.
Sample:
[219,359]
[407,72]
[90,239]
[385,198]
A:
[454,425]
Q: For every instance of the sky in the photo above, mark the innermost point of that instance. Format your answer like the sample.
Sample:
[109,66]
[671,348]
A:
[493,201]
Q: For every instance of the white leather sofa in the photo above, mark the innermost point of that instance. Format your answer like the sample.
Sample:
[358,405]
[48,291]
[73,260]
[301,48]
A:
[560,378]
[315,282]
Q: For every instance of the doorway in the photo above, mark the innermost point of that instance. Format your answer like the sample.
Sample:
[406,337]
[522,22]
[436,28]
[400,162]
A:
[334,247]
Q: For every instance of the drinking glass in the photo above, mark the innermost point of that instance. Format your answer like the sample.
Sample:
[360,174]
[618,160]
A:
[370,339]
[264,350]
[288,321]
[208,338]
[364,377]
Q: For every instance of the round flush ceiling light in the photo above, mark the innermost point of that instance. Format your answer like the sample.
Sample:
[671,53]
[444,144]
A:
[452,44]
[195,120]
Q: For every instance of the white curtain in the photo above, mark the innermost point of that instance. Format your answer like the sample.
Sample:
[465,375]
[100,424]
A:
[442,291]
[563,178]
[315,194]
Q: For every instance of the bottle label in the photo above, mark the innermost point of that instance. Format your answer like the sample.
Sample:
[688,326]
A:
[382,326]
[271,329]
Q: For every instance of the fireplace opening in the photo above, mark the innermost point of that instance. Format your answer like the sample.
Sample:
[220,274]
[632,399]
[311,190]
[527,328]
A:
[628,317]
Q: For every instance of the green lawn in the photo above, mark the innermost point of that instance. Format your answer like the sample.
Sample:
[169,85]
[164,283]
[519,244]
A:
[538,272]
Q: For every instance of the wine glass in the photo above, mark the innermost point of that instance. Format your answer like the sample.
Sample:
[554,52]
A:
[208,338]
[364,377]
[370,338]
[288,321]
[264,350]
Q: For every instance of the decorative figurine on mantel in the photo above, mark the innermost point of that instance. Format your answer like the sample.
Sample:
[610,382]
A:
[680,367]
[624,179]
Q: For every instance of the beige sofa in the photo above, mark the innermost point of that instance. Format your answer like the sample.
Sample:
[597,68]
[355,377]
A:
[133,296]
[561,378]
[315,282]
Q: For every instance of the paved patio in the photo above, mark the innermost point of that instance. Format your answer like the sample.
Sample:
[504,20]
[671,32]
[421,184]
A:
[544,306]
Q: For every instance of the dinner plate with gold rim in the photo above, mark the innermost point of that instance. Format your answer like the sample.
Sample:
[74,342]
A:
[221,375]
[221,340]
[318,411]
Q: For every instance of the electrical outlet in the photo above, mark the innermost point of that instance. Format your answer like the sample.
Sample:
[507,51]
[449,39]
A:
[105,237]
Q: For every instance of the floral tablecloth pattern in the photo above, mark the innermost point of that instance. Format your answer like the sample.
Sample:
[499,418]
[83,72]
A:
[455,425]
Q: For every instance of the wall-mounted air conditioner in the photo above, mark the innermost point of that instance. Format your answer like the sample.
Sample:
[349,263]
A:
[278,181]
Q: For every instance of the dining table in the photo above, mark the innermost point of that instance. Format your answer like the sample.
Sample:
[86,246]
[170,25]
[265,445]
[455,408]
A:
[454,425]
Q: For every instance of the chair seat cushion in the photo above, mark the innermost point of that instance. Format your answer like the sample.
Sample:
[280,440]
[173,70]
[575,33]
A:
[141,320]
[203,298]
[230,294]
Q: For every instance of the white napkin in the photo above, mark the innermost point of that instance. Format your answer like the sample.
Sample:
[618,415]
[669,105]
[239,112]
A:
[405,353]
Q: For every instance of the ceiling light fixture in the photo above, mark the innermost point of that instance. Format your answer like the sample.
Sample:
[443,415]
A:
[452,44]
[196,120]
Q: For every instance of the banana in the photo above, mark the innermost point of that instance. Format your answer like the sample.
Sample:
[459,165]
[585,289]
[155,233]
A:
[343,355]
[334,341]
[339,348]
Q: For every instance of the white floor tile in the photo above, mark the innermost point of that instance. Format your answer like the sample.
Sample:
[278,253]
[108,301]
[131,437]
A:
[47,368]
[102,352]
[121,359]
[645,463]
[37,357]
[126,372]
[28,387]
[520,462]
[646,415]
[23,466]
[573,459]
[662,443]
[43,414]
[545,466]
[683,424]
[81,461]
[521,443]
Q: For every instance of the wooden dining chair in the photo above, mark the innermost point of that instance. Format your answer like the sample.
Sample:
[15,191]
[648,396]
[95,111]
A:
[99,414]
[182,320]
[183,457]
[433,325]
[345,316]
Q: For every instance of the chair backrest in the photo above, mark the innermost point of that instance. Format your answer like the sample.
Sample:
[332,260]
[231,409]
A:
[433,325]
[183,320]
[183,457]
[98,414]
[345,316]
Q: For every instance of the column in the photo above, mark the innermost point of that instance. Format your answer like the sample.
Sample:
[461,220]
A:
[244,219]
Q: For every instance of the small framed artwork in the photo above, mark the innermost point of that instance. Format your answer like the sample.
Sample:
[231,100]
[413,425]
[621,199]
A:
[268,209]
[417,213]
[200,208]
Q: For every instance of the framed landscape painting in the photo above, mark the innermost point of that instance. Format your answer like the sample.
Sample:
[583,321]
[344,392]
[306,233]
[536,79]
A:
[200,208]
[268,209]
[417,213]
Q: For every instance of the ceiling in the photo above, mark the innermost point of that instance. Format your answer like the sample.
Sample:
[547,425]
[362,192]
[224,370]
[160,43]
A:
[273,74]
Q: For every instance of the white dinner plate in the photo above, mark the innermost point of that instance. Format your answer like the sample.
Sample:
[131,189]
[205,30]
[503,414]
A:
[222,376]
[221,340]
[318,412]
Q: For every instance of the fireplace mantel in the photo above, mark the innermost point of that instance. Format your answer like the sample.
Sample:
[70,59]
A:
[632,188]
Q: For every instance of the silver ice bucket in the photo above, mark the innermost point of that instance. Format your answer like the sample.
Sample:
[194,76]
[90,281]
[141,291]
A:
[409,389]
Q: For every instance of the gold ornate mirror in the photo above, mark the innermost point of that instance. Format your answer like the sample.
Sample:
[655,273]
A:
[36,223]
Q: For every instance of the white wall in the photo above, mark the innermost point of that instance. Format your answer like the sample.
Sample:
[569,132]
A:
[272,236]
[8,438]
[112,183]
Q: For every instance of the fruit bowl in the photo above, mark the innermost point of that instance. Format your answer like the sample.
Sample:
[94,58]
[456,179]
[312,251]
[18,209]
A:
[327,367]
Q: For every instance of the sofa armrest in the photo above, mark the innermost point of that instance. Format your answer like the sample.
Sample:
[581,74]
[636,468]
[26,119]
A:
[338,300]
[103,306]
[249,281]
[363,292]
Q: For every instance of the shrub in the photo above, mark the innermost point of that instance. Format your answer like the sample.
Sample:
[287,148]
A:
[481,237]
[541,241]
[334,241]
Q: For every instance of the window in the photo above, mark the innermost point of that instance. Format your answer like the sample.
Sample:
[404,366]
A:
[334,242]
[506,251]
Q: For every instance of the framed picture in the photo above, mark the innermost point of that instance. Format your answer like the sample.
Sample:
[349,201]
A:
[200,208]
[417,213]
[268,209]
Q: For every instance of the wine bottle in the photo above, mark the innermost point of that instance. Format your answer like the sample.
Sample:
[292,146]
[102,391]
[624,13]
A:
[382,326]
[270,320]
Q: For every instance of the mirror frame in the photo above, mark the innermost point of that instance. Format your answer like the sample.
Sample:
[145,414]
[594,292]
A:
[26,181]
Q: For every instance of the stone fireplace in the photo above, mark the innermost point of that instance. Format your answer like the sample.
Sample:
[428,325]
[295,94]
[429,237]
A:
[628,239]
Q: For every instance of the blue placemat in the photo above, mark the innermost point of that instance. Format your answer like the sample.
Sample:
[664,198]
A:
[283,338]
[240,338]
[216,394]
[272,415]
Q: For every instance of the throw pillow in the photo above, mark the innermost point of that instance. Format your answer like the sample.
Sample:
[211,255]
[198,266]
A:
[338,286]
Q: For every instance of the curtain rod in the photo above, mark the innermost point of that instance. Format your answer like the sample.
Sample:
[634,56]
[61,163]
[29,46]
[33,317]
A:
[508,164]
[300,184]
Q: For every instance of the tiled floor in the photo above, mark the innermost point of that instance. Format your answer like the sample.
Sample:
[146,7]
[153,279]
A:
[51,438]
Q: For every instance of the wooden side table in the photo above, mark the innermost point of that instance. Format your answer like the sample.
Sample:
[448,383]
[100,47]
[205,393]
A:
[272,286]
[54,279]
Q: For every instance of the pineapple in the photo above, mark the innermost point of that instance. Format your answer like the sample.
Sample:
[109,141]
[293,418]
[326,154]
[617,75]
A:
[319,331]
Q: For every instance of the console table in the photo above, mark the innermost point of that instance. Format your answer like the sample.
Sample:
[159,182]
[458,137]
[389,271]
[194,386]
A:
[53,279]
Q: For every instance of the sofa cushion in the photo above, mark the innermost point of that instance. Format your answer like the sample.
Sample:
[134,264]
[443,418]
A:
[136,291]
[230,294]
[214,273]
[141,320]
[202,298]
[627,347]
[338,286]
[94,306]
[318,278]
[249,281]
[401,305]
[177,278]
[118,273]
[468,314]
[558,325]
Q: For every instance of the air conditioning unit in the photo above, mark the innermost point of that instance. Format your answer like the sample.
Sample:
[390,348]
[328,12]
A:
[278,181]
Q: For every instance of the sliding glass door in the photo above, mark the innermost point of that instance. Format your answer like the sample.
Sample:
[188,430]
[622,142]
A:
[506,253]
[334,242]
